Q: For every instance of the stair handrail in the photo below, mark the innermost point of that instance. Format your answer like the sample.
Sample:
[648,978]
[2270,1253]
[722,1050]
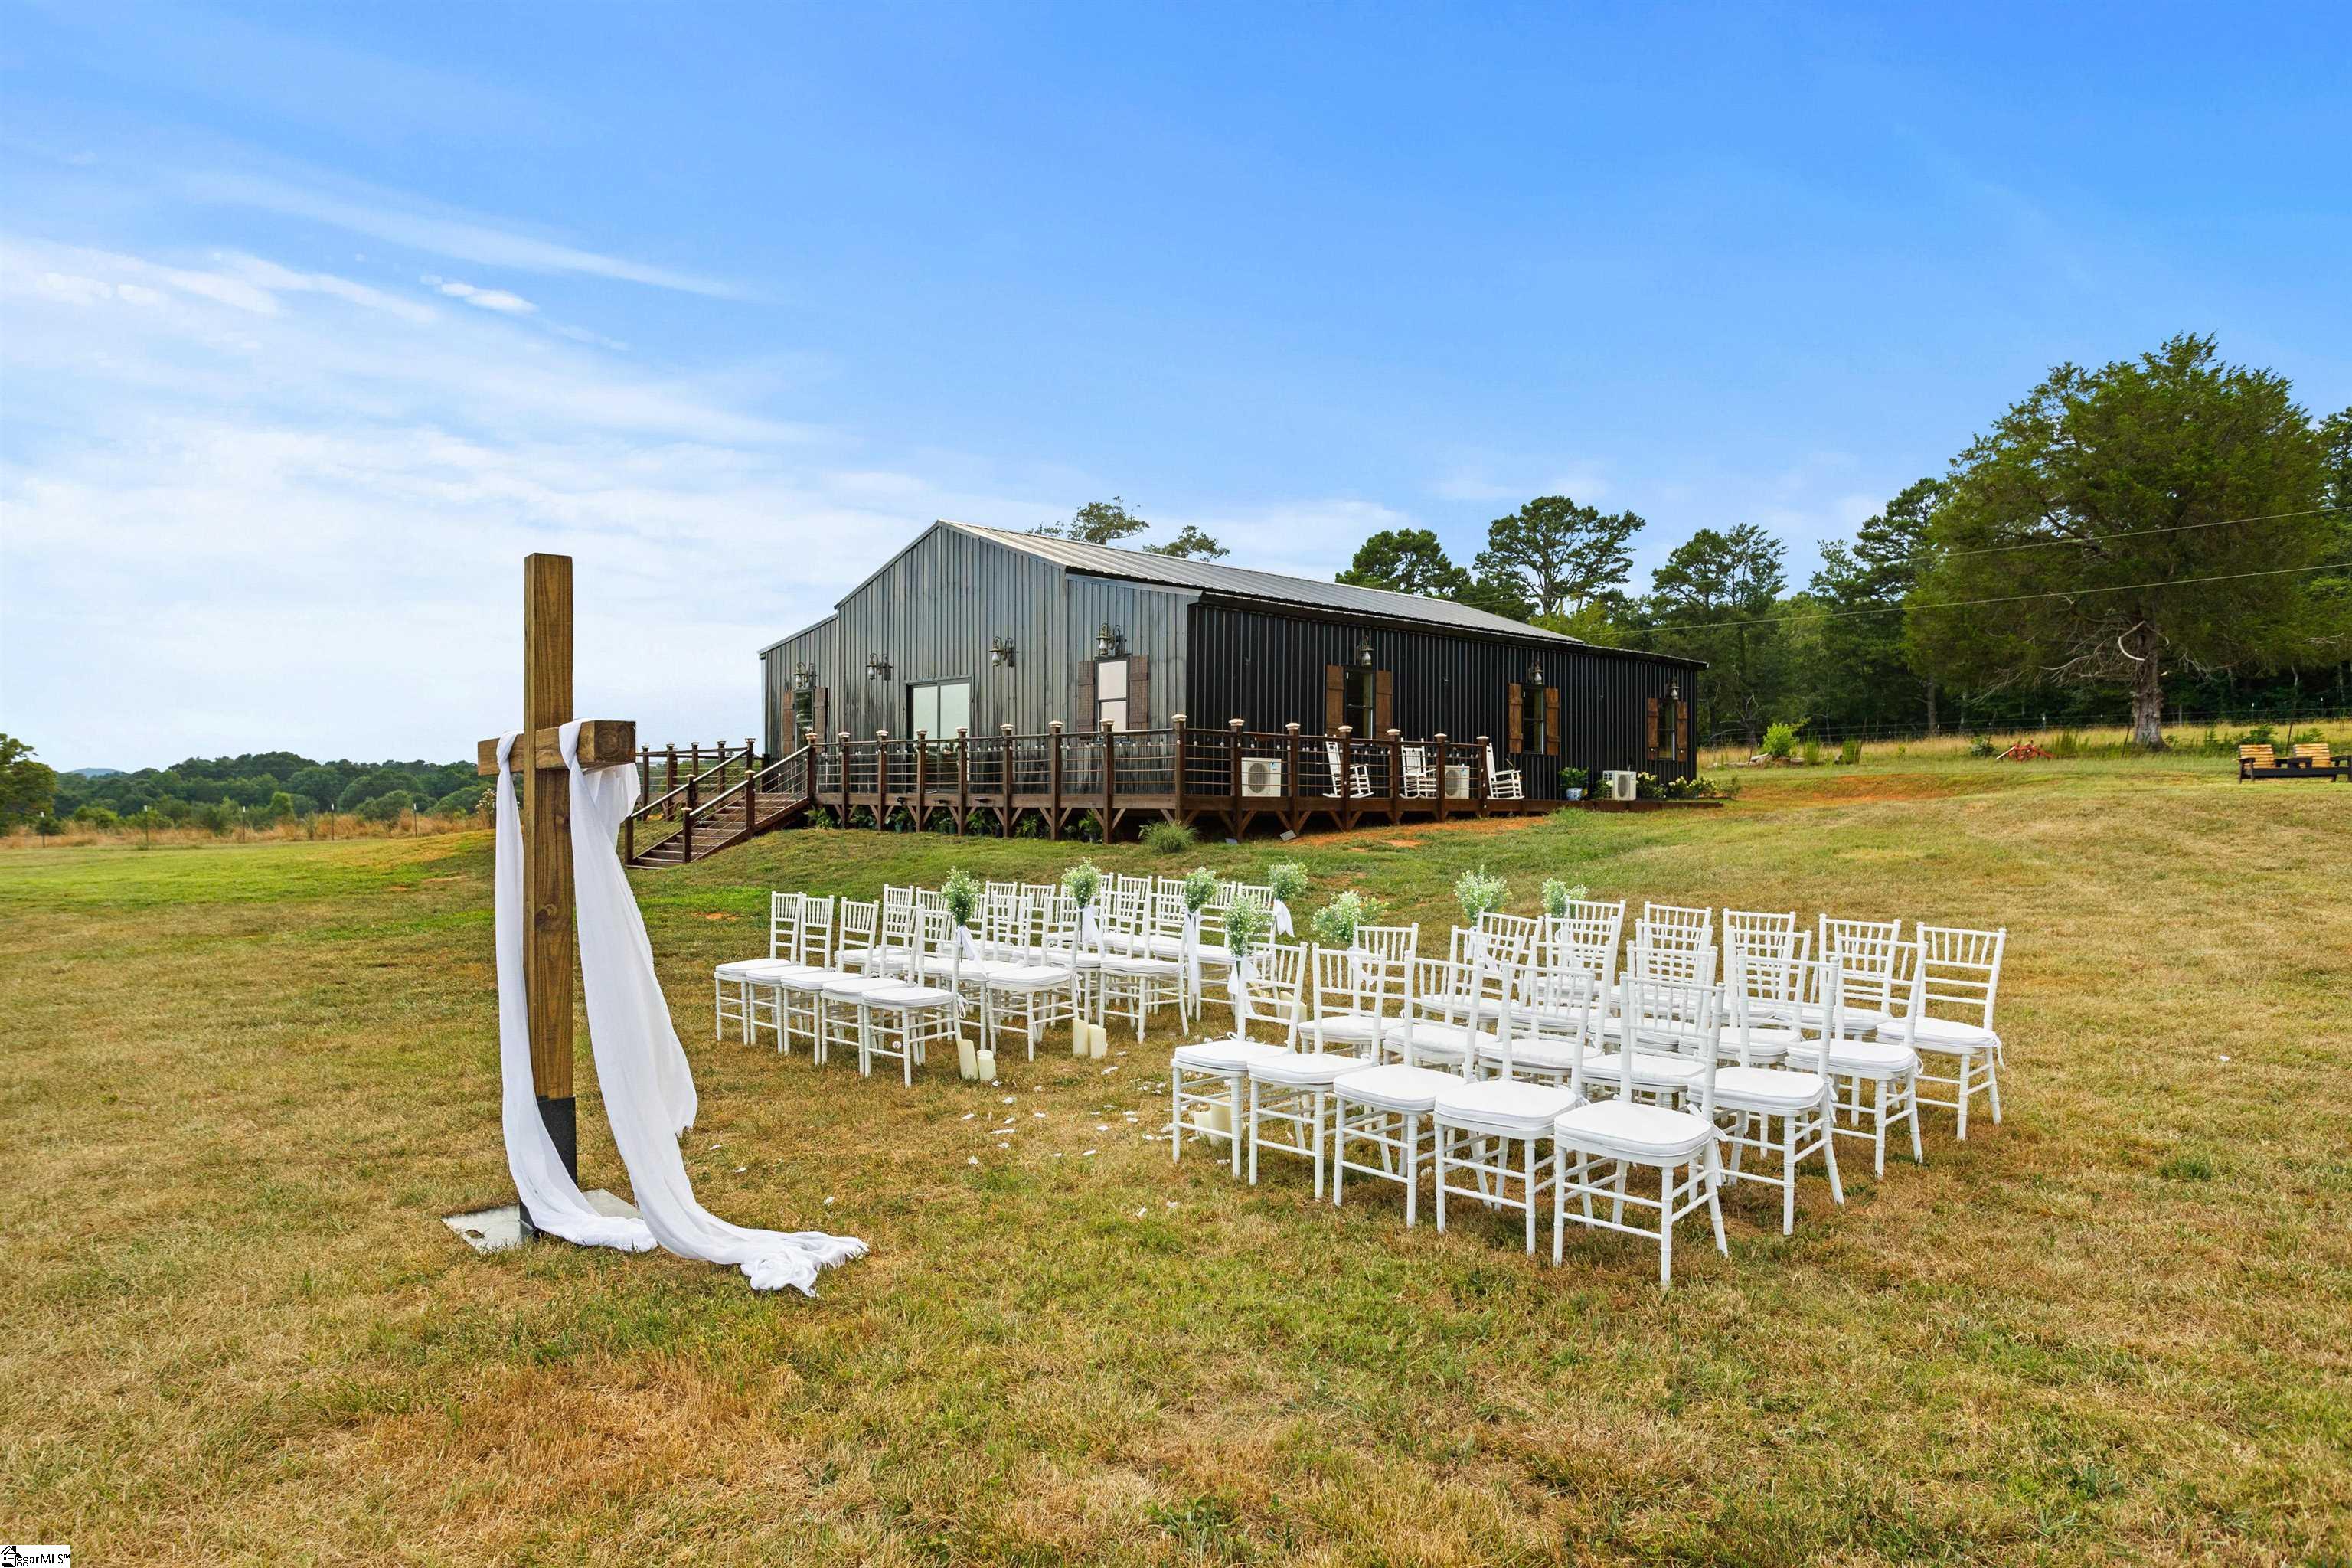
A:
[691,787]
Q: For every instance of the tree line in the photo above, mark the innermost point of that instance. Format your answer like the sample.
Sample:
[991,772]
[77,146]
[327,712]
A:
[257,787]
[2164,533]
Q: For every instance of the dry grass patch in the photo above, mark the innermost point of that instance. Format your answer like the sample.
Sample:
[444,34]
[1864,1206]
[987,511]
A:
[247,1081]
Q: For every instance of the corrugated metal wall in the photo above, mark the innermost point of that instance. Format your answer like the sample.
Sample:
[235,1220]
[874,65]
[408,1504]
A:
[932,613]
[1267,669]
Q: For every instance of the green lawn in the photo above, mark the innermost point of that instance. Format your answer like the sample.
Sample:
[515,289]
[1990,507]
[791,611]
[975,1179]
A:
[242,1083]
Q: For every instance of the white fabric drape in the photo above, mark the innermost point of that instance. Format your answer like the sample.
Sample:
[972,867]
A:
[648,1088]
[1237,986]
[550,1196]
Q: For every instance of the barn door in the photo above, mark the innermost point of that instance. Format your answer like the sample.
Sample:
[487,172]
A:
[1650,727]
[1335,697]
[1551,722]
[1512,729]
[1384,701]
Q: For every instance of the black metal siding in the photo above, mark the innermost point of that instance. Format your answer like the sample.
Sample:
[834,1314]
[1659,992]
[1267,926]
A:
[1266,670]
[932,612]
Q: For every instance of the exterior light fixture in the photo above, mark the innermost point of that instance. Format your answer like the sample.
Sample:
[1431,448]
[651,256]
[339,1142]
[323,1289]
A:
[1674,689]
[1364,651]
[1535,675]
[1000,651]
[877,667]
[803,676]
[1108,640]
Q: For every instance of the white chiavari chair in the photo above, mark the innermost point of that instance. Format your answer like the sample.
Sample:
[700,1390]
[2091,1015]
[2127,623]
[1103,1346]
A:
[1478,1121]
[1388,1109]
[1868,1027]
[1780,1097]
[1208,1075]
[902,1020]
[731,983]
[1960,972]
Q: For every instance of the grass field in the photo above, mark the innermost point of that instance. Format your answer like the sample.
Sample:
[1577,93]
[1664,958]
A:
[243,1082]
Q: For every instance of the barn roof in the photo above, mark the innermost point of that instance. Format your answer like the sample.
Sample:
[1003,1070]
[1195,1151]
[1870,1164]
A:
[1239,582]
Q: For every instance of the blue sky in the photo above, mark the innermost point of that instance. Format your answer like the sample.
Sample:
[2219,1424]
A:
[314,320]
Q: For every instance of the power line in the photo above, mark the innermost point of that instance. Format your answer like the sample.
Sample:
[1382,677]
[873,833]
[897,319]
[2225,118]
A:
[2102,538]
[2005,599]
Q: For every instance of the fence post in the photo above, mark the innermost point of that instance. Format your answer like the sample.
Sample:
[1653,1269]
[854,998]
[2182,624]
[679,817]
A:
[1108,748]
[1396,774]
[1290,778]
[751,798]
[922,779]
[881,778]
[1054,778]
[963,777]
[1004,779]
[843,744]
[1176,790]
[1233,775]
[1344,786]
[1437,759]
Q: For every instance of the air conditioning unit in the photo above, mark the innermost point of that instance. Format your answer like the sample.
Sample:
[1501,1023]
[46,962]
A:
[1622,784]
[1261,776]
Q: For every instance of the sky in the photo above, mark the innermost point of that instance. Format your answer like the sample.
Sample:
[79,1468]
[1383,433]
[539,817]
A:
[315,320]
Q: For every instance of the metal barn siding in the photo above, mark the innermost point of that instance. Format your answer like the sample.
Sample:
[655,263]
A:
[931,613]
[1267,669]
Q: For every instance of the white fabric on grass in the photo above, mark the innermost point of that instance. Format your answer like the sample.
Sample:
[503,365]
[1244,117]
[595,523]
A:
[648,1088]
[550,1196]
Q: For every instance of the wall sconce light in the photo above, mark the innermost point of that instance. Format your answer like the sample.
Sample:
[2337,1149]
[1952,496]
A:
[1535,675]
[1364,651]
[1000,651]
[877,667]
[1110,640]
[803,676]
[1674,689]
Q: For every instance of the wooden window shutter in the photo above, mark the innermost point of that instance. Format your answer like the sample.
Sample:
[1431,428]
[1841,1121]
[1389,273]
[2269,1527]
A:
[1138,692]
[1650,709]
[1335,697]
[1511,728]
[1081,717]
[1683,732]
[1551,722]
[1384,700]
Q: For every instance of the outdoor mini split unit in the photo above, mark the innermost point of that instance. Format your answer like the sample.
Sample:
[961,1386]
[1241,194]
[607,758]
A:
[1261,776]
[1620,783]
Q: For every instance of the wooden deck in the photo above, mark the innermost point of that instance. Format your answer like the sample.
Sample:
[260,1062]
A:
[1227,782]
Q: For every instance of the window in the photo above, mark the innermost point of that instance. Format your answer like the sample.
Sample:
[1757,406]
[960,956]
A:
[1669,729]
[803,715]
[939,708]
[1531,735]
[1364,703]
[1110,693]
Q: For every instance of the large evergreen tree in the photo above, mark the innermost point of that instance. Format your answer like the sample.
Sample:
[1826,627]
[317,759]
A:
[1715,599]
[2151,515]
[1862,673]
[1560,555]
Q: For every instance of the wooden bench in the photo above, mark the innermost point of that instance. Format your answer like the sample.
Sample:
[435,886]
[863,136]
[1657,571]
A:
[2309,760]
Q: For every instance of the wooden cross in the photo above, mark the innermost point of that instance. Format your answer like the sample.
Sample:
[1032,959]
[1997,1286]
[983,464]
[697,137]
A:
[550,946]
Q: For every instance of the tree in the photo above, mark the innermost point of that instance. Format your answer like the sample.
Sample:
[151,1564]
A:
[1189,544]
[1097,522]
[1862,672]
[1713,599]
[1406,561]
[1559,553]
[2132,517]
[387,807]
[466,800]
[27,785]
[1496,594]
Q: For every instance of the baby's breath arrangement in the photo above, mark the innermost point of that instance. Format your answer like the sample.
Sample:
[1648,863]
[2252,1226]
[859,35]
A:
[1337,922]
[1082,882]
[1479,892]
[961,893]
[1289,881]
[1200,886]
[1558,895]
[1246,925]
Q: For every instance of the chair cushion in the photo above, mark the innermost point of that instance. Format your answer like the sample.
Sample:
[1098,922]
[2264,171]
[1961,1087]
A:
[1350,1029]
[761,968]
[898,995]
[1531,1053]
[1395,1086]
[1216,952]
[1505,1107]
[1148,968]
[857,987]
[1628,1129]
[1433,1041]
[1947,1035]
[1227,1056]
[1305,1069]
[1650,1070]
[1746,1089]
[1871,1058]
[1028,976]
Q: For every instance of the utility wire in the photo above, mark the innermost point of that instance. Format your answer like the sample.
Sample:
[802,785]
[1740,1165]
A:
[2089,540]
[1671,626]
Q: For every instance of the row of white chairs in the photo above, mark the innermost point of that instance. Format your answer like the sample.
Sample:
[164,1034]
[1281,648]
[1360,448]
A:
[1532,1034]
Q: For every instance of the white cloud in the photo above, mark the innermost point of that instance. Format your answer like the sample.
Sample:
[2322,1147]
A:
[484,298]
[269,507]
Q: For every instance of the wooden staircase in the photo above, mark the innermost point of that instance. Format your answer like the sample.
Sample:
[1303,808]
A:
[737,799]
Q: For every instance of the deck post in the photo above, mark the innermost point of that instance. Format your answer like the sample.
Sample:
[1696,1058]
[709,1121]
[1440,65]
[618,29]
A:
[922,779]
[750,796]
[1005,813]
[1396,776]
[1292,818]
[693,774]
[1479,783]
[1437,761]
[1176,788]
[1233,775]
[1054,778]
[881,778]
[1343,785]
[1108,749]
[669,774]
[963,777]
[844,778]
